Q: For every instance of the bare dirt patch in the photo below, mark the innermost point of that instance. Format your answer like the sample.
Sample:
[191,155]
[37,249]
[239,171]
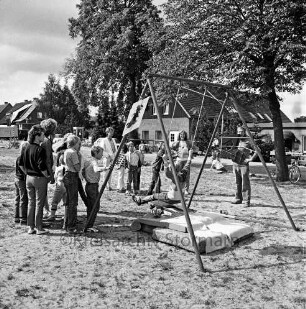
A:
[118,268]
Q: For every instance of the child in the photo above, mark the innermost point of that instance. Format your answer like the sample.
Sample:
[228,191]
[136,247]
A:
[133,162]
[60,191]
[71,176]
[120,166]
[92,176]
[156,168]
[172,196]
[21,199]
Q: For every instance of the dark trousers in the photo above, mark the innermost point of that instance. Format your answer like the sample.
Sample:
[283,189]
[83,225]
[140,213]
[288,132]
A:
[243,185]
[132,178]
[82,192]
[71,184]
[92,191]
[155,182]
[21,200]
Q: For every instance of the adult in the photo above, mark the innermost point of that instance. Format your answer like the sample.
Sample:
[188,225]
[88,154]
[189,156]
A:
[182,147]
[33,164]
[49,125]
[241,158]
[110,148]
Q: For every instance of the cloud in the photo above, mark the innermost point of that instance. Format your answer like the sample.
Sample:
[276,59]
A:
[34,42]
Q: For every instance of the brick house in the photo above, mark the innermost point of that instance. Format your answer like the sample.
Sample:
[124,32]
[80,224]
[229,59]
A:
[183,114]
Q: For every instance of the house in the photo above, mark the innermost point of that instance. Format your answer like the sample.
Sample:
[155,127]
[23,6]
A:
[4,110]
[24,115]
[183,111]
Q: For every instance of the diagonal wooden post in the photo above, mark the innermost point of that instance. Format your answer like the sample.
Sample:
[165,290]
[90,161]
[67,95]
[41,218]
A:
[190,229]
[236,105]
[209,147]
[96,204]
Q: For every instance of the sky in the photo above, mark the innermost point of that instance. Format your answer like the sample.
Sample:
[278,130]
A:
[34,42]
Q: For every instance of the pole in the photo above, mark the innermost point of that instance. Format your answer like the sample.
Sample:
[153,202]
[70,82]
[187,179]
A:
[190,229]
[209,147]
[236,105]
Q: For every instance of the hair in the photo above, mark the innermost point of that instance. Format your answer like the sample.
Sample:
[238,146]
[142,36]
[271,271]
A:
[72,140]
[49,126]
[23,146]
[95,150]
[185,137]
[125,148]
[35,131]
[130,144]
[109,129]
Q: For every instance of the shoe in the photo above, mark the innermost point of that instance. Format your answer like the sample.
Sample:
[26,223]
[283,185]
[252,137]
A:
[50,218]
[23,222]
[31,231]
[136,199]
[236,202]
[42,232]
[121,190]
[128,193]
[72,231]
[92,230]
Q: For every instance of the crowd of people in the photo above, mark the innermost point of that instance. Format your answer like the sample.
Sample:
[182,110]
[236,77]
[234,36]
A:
[39,165]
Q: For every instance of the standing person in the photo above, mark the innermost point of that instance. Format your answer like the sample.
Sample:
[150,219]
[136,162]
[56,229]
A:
[92,176]
[72,168]
[157,165]
[172,196]
[110,148]
[33,164]
[21,199]
[133,162]
[241,170]
[60,190]
[182,146]
[121,165]
[49,125]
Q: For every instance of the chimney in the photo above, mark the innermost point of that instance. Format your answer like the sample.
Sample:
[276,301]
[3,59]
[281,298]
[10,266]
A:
[6,103]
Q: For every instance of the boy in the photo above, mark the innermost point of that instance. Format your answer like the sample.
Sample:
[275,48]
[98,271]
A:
[172,196]
[92,173]
[134,162]
[72,168]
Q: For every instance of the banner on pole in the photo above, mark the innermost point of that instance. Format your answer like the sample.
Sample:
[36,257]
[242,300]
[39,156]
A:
[135,116]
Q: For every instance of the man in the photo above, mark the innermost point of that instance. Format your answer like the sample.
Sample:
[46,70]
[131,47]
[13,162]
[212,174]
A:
[33,164]
[110,148]
[241,159]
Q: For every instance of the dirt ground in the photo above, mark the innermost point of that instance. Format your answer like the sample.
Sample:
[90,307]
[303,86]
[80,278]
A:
[118,268]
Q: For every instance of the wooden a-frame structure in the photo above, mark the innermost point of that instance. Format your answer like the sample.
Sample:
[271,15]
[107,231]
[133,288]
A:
[229,93]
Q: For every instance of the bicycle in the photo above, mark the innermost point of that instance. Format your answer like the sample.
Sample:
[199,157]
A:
[294,172]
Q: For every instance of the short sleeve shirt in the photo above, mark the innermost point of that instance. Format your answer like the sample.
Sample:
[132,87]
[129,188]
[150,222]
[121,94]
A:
[71,158]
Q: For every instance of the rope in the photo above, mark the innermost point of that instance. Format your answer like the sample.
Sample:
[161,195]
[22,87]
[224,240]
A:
[202,104]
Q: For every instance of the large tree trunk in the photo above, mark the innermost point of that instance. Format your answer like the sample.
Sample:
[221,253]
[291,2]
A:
[280,155]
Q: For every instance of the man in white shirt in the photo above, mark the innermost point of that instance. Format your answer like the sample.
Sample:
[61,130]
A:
[108,143]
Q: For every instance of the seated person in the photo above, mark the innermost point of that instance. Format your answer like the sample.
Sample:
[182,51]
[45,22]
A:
[172,196]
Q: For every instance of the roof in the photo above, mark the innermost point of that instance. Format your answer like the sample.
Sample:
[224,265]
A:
[17,113]
[253,107]
[27,112]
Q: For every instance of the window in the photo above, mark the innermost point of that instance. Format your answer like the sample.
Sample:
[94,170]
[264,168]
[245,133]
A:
[154,111]
[39,114]
[304,144]
[172,137]
[145,135]
[260,116]
[253,116]
[268,117]
[166,109]
[158,135]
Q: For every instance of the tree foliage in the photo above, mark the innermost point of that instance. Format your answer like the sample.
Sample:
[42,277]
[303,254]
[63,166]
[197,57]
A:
[110,57]
[300,119]
[256,45]
[57,102]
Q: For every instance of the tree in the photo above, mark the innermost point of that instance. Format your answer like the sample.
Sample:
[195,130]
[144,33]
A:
[57,102]
[256,45]
[111,57]
[300,119]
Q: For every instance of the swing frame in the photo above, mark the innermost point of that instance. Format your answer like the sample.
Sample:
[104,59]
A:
[229,92]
